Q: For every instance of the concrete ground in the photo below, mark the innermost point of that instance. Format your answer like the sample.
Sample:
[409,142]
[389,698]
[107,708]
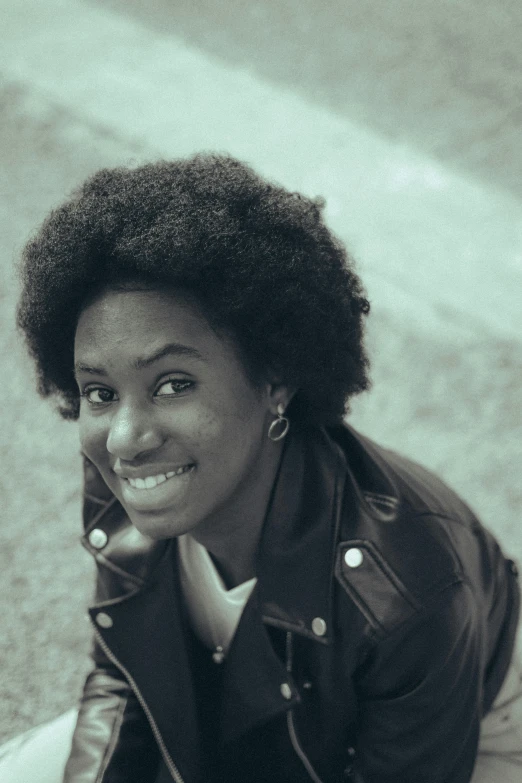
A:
[405,116]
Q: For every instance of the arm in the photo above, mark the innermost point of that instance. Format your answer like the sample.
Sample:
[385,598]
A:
[420,698]
[112,742]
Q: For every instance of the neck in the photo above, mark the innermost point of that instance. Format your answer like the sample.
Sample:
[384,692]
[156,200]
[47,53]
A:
[235,571]
[233,540]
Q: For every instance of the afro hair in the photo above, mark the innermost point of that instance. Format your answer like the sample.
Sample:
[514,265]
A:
[258,259]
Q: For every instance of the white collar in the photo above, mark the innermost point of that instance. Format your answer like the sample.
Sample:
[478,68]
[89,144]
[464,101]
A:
[214,611]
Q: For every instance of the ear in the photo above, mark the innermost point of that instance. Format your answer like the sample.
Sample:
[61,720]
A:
[279,393]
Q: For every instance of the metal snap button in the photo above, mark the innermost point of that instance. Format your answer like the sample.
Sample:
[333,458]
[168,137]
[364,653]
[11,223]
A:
[353,557]
[104,620]
[318,626]
[286,691]
[98,538]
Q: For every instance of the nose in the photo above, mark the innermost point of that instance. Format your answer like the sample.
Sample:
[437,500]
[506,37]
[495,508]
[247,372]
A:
[132,433]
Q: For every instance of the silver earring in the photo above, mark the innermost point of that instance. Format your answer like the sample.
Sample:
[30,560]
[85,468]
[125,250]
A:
[280,426]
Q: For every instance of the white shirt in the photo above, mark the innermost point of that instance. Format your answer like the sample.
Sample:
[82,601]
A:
[214,611]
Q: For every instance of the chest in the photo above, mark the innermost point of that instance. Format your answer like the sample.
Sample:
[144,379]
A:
[308,741]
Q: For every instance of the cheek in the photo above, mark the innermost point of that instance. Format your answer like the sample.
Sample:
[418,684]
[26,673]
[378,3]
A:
[203,431]
[93,440]
[229,433]
[212,433]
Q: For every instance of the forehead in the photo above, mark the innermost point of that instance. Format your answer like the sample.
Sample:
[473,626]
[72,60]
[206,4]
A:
[128,321]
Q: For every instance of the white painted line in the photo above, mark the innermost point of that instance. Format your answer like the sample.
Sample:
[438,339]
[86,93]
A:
[416,227]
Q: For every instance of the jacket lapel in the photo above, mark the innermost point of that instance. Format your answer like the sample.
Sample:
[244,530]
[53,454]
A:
[252,678]
[148,639]
[295,582]
[297,550]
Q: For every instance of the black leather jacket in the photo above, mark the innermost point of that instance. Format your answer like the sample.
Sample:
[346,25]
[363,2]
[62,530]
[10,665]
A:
[377,637]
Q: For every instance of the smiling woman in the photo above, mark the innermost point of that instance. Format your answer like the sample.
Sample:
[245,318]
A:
[278,598]
[172,423]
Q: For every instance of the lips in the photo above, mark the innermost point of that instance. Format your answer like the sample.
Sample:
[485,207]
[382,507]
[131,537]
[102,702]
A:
[158,491]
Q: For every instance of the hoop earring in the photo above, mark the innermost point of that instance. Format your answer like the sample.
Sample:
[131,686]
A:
[281,423]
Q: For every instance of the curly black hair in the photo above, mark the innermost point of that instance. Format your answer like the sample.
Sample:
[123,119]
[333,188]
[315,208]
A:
[258,259]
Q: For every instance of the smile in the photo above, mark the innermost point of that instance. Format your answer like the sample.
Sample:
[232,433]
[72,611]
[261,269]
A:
[150,482]
[152,494]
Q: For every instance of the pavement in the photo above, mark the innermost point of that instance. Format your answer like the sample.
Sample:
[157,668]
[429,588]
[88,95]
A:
[404,116]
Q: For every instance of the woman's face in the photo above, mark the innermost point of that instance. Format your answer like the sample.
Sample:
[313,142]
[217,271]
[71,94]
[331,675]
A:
[168,416]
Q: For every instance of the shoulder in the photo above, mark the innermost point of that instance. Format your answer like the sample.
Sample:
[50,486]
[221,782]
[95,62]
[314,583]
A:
[388,478]
[125,558]
[405,538]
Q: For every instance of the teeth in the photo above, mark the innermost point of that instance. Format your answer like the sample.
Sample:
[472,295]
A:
[149,482]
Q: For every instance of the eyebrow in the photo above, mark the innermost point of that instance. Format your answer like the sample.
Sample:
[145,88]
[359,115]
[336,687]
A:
[171,349]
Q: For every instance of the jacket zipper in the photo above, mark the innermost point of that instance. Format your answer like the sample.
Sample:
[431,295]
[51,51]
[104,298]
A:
[290,718]
[176,776]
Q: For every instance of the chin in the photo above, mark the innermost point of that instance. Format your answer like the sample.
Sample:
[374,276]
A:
[155,527]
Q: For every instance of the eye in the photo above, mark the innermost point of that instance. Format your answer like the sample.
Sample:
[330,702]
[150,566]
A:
[98,395]
[173,387]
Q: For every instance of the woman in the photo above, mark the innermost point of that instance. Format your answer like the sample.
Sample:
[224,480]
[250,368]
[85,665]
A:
[278,598]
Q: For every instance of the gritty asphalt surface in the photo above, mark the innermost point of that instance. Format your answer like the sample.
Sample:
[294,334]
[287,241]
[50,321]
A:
[443,77]
[446,357]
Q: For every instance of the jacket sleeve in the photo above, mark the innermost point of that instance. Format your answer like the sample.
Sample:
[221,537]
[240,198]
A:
[112,741]
[420,698]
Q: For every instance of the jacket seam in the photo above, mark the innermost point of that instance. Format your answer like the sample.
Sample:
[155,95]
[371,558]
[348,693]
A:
[96,518]
[377,629]
[442,515]
[119,599]
[380,497]
[338,506]
[294,628]
[449,531]
[111,747]
[96,499]
[433,602]
[384,567]
[106,563]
